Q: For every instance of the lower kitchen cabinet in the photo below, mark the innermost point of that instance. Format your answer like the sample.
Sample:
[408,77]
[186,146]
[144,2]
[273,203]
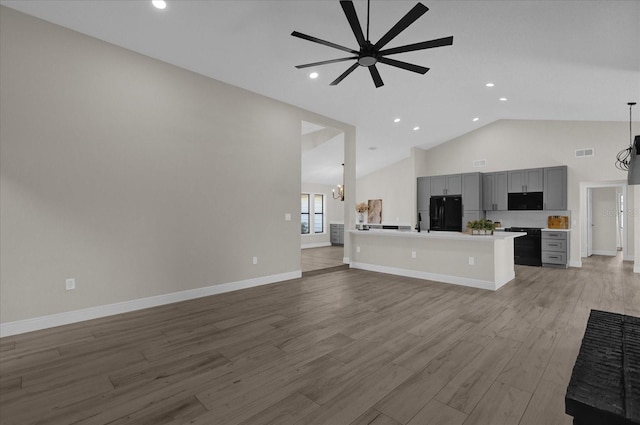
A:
[555,249]
[337,234]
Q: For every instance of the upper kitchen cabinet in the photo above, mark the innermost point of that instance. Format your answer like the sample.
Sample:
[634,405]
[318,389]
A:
[554,196]
[446,185]
[530,180]
[424,193]
[494,191]
[472,191]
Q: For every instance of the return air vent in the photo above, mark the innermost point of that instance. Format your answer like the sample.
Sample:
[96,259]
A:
[480,163]
[581,153]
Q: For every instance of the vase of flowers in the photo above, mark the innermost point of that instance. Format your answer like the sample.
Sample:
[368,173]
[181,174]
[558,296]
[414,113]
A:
[361,208]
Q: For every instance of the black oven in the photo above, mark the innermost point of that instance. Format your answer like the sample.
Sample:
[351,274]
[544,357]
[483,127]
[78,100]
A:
[527,250]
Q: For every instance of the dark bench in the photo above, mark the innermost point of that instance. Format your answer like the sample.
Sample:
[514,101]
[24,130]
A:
[605,384]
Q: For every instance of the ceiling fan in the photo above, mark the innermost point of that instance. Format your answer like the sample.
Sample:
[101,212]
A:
[370,54]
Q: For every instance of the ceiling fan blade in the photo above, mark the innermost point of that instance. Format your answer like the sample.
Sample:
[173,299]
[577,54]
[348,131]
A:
[446,41]
[307,65]
[344,74]
[417,11]
[377,80]
[352,17]
[404,65]
[323,42]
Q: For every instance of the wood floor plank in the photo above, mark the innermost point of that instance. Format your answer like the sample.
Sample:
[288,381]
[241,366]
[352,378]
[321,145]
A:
[501,405]
[466,389]
[373,417]
[547,406]
[436,413]
[530,361]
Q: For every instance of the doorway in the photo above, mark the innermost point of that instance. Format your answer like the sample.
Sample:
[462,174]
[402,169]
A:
[322,208]
[603,229]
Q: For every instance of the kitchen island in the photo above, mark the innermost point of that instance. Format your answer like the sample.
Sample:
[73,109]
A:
[479,261]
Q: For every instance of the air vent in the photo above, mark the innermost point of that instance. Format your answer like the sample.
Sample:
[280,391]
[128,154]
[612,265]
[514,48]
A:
[581,153]
[480,163]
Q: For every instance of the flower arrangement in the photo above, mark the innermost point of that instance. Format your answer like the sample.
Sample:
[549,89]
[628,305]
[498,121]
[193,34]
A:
[362,207]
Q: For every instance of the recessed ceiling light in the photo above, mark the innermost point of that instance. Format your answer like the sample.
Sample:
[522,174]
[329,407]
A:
[476,119]
[159,4]
[503,99]
[416,128]
[489,84]
[313,75]
[396,120]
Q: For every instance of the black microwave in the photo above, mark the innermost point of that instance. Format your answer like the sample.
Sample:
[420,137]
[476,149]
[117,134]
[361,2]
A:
[524,201]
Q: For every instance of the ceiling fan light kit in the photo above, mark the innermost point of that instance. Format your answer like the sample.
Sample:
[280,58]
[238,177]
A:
[369,55]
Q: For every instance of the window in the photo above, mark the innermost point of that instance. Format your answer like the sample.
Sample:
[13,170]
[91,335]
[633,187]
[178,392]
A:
[318,213]
[311,213]
[304,213]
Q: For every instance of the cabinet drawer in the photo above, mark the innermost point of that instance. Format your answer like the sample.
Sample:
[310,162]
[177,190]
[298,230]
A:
[554,257]
[554,245]
[554,235]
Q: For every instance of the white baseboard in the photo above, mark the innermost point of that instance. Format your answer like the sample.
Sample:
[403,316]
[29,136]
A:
[315,245]
[609,253]
[636,267]
[59,319]
[628,258]
[577,263]
[345,260]
[464,281]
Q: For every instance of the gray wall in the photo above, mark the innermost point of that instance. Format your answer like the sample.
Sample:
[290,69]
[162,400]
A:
[135,177]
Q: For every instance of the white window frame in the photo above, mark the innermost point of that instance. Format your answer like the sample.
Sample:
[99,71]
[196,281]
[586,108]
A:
[312,214]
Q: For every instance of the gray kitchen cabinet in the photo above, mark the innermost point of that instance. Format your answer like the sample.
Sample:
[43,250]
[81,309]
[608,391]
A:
[554,195]
[336,234]
[494,191]
[530,180]
[472,191]
[555,248]
[446,185]
[424,193]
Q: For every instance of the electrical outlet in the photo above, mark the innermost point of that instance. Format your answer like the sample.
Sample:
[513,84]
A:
[413,254]
[357,249]
[255,260]
[472,261]
[70,284]
[287,217]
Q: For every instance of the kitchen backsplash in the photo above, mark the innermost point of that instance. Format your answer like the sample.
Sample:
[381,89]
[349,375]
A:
[524,218]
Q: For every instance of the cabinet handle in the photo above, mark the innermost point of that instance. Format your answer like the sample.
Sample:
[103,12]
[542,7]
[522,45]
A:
[553,244]
[554,256]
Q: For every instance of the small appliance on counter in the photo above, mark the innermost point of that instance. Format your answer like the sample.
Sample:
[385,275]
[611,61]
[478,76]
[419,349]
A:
[558,222]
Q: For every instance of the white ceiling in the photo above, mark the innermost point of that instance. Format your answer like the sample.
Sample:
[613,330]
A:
[553,60]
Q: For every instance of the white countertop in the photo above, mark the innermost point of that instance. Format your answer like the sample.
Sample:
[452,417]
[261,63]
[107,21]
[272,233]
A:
[440,235]
[556,230]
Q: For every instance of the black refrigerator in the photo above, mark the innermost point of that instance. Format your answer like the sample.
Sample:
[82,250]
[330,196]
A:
[445,213]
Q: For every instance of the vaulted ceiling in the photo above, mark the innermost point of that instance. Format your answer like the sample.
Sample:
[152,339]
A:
[551,60]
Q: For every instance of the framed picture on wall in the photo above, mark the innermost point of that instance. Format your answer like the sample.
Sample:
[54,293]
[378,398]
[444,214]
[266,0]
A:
[375,211]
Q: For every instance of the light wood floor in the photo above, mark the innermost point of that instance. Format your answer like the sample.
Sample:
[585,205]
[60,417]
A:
[323,258]
[343,348]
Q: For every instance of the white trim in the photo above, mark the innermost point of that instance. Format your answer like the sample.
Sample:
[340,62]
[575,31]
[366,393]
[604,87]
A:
[604,252]
[628,258]
[456,280]
[636,267]
[59,319]
[315,245]
[577,263]
[346,260]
